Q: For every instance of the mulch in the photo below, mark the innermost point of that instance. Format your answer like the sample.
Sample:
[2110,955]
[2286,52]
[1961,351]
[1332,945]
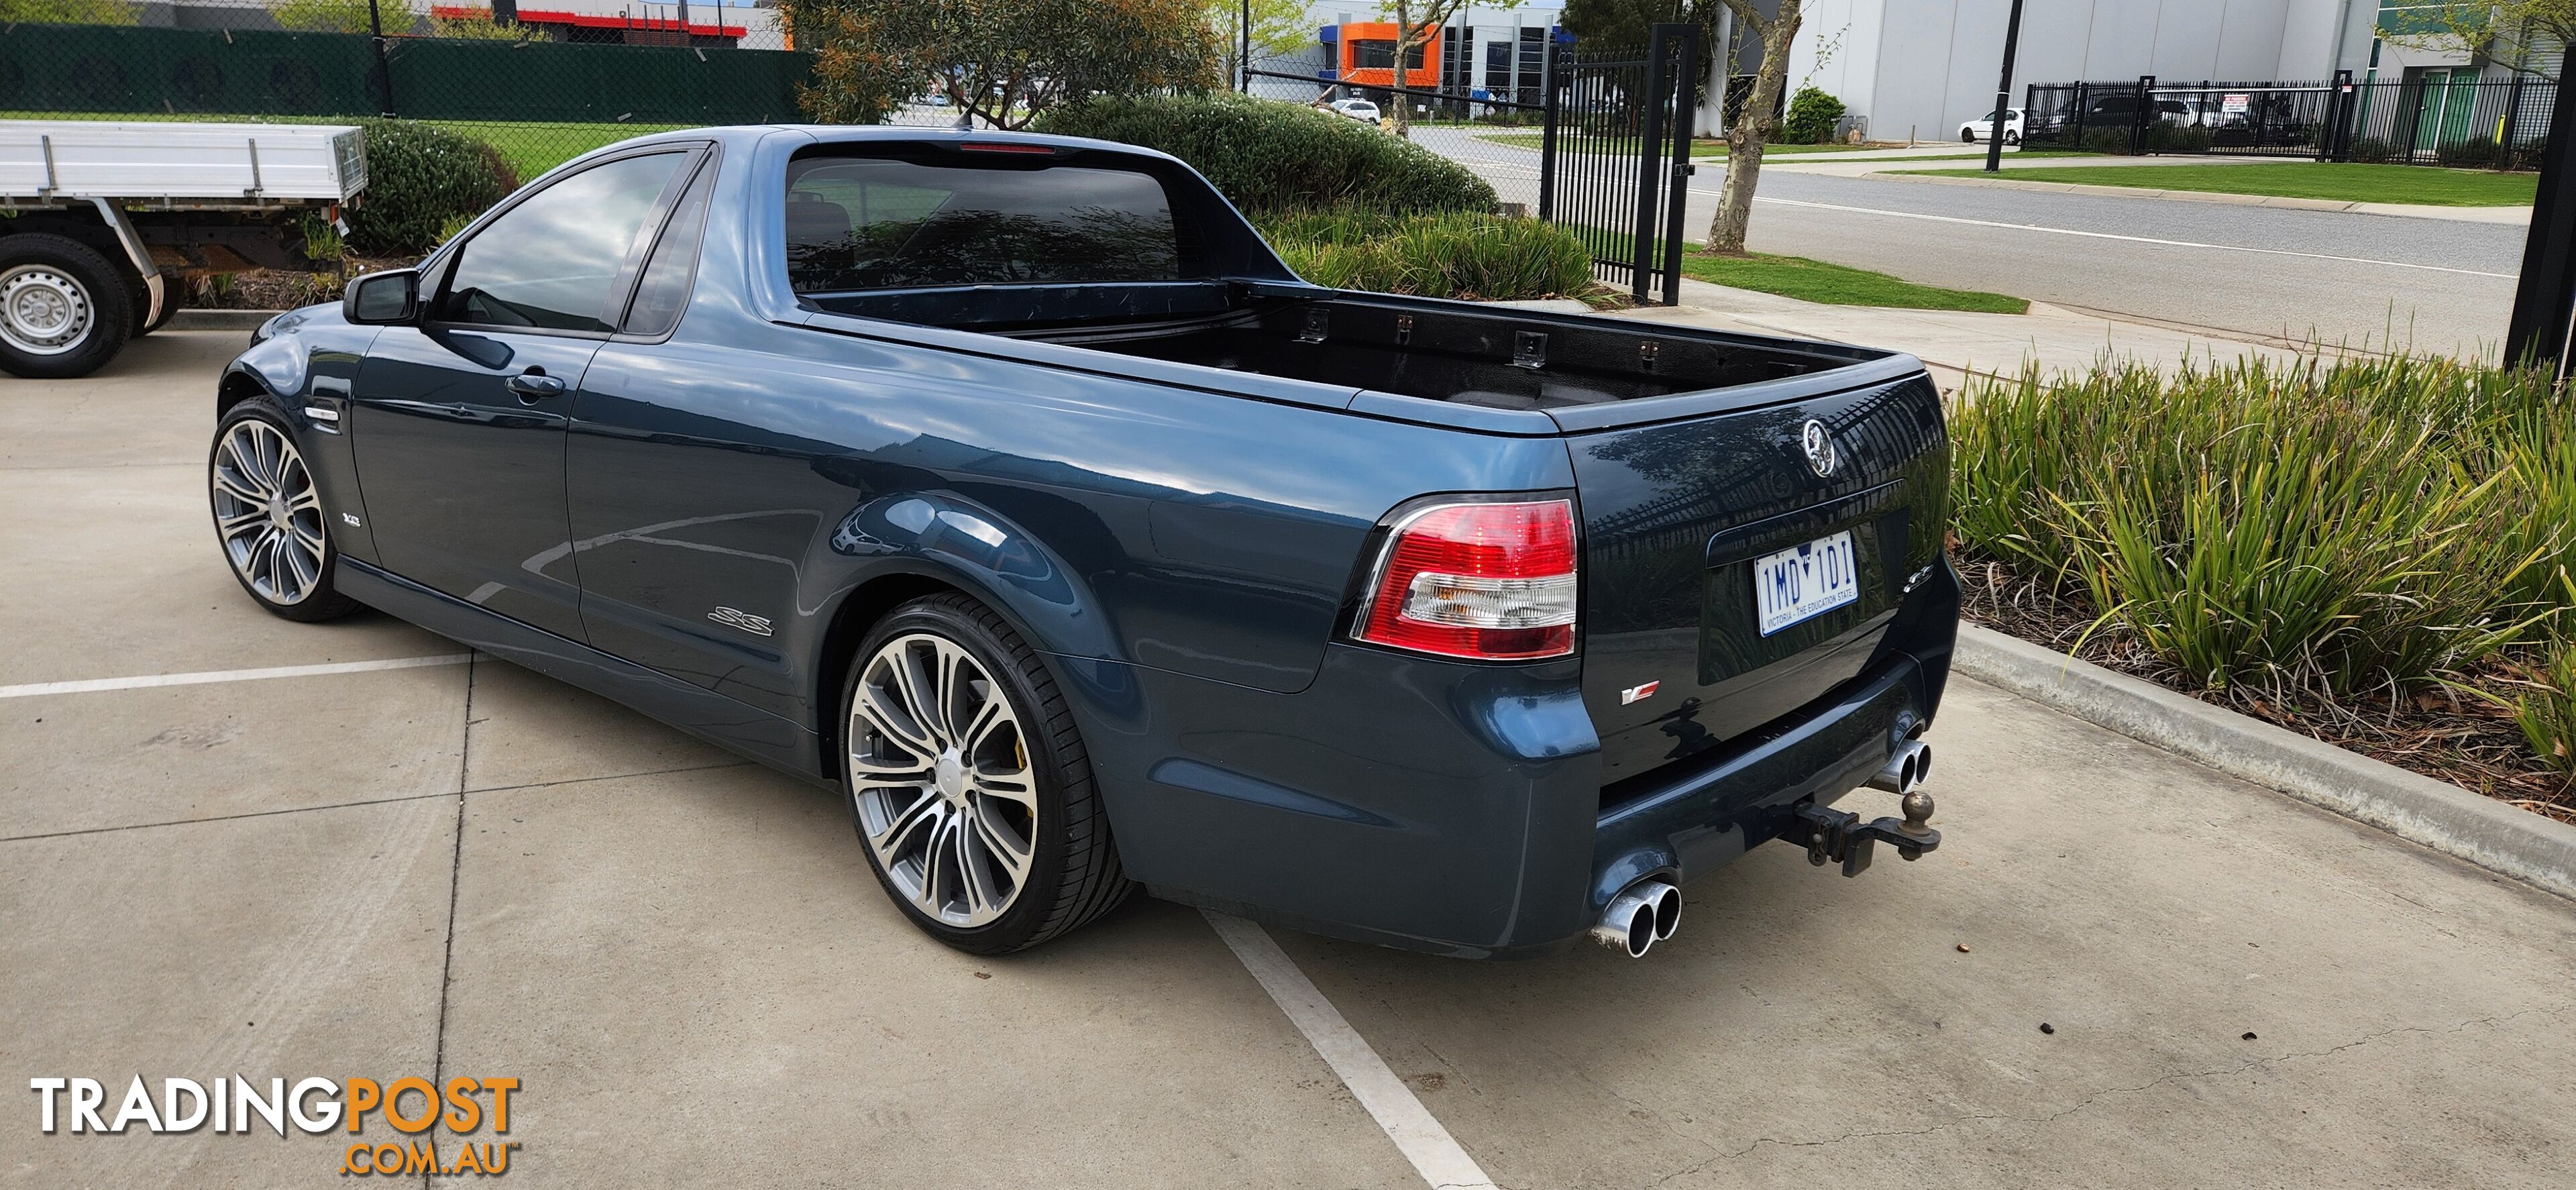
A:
[2439,732]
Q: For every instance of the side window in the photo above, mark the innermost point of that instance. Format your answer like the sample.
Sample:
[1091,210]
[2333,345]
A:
[857,223]
[551,261]
[664,290]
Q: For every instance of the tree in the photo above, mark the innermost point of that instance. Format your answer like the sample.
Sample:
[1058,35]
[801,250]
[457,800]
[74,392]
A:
[1619,22]
[1755,125]
[2520,35]
[1006,61]
[1279,28]
[1416,23]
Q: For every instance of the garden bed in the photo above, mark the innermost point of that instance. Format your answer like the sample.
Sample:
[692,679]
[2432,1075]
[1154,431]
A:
[2374,552]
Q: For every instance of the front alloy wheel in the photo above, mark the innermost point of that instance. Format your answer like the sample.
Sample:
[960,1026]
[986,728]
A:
[941,775]
[269,516]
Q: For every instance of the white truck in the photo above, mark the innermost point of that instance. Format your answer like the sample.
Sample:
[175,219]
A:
[100,221]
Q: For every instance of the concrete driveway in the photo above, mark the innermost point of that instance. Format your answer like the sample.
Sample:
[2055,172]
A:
[2121,969]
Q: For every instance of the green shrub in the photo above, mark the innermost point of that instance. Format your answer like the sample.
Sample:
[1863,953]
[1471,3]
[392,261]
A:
[2098,139]
[1453,254]
[419,178]
[67,12]
[2469,154]
[2373,150]
[2329,530]
[1813,116]
[2165,136]
[2546,712]
[1266,155]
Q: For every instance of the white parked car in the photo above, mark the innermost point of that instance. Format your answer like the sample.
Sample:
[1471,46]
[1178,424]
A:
[1984,126]
[1357,109]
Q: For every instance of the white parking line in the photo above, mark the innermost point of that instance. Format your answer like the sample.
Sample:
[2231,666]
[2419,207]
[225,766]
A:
[1434,1154]
[201,677]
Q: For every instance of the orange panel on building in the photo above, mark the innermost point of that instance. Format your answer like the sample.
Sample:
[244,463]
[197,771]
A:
[1368,56]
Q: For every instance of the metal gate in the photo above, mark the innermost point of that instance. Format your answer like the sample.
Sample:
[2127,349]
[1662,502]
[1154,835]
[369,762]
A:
[1617,156]
[1605,153]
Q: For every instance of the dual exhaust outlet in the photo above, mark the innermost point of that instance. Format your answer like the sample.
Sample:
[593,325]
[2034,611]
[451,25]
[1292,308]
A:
[1648,911]
[1642,915]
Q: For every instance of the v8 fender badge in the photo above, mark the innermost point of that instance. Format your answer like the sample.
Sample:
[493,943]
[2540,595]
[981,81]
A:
[730,618]
[1639,693]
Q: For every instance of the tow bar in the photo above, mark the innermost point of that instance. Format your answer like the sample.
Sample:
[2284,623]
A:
[1833,835]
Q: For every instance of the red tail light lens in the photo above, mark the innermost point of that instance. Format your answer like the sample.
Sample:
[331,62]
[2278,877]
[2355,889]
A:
[1490,581]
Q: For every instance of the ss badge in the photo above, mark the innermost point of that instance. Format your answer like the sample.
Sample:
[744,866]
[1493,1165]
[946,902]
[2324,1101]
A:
[1639,693]
[755,625]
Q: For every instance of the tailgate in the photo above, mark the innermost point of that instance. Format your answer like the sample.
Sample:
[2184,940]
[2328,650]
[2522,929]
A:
[1674,516]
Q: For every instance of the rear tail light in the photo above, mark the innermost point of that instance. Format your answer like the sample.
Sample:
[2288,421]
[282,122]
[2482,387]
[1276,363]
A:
[1489,581]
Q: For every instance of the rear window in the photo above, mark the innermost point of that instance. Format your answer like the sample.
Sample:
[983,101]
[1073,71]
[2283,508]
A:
[860,223]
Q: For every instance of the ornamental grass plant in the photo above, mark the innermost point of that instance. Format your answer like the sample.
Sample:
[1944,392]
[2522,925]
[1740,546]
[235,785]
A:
[2295,530]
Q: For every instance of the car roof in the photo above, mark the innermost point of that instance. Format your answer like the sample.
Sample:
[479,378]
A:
[743,136]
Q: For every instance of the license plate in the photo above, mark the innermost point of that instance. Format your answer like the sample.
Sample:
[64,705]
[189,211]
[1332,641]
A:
[1798,584]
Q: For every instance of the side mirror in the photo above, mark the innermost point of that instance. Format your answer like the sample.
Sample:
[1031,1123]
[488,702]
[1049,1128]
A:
[382,299]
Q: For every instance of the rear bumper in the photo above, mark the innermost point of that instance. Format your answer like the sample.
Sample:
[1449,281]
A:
[1458,809]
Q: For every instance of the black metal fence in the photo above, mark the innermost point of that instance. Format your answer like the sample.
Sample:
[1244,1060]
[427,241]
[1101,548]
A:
[1605,152]
[1622,149]
[2434,118]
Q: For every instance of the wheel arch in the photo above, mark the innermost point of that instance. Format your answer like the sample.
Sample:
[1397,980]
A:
[868,604]
[237,386]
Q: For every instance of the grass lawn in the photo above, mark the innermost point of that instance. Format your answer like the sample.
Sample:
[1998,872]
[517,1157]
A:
[1837,285]
[2352,182]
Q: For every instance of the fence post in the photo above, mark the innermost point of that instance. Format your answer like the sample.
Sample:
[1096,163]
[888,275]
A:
[1677,188]
[1650,135]
[384,67]
[2081,88]
[1546,127]
[2348,114]
[2512,114]
[2146,114]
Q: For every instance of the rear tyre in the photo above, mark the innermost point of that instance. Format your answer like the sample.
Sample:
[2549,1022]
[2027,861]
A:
[1968,135]
[64,309]
[2012,138]
[269,518]
[968,783]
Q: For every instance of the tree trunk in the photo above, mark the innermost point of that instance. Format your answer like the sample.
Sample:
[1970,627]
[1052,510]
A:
[1752,130]
[1403,49]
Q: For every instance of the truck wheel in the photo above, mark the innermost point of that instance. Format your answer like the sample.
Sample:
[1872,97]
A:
[269,517]
[968,782]
[64,309]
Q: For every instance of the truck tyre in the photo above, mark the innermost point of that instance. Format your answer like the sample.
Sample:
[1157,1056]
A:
[968,782]
[269,518]
[64,309]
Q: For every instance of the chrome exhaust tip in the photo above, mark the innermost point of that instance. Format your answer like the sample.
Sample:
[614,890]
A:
[1906,769]
[1641,915]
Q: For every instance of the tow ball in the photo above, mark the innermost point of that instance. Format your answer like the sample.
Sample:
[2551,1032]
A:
[1836,836]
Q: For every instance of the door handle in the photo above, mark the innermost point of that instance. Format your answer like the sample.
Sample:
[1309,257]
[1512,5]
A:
[534,386]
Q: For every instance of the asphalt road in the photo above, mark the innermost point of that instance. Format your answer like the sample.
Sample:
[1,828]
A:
[2361,280]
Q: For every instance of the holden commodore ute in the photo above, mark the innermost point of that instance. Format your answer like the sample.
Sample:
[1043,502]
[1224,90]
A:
[1012,488]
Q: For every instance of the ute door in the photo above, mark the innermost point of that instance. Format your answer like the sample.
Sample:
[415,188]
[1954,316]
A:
[460,420]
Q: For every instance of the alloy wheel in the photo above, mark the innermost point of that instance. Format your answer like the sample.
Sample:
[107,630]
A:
[940,771]
[43,311]
[267,513]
